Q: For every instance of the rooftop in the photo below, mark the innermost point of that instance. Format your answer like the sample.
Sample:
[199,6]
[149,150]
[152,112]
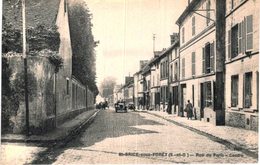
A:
[187,11]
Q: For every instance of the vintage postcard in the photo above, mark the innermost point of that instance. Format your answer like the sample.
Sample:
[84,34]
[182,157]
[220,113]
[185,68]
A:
[129,81]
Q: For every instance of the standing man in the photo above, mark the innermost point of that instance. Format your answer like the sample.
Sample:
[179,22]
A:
[189,108]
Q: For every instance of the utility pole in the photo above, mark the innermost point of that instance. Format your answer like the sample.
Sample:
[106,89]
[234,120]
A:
[25,70]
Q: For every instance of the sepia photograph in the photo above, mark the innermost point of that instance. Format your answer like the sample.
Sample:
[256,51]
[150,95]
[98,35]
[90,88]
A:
[129,81]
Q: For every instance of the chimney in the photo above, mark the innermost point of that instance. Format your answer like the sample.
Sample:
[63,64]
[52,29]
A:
[174,37]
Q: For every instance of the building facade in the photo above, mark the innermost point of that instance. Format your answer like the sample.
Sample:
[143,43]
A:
[198,60]
[173,78]
[241,62]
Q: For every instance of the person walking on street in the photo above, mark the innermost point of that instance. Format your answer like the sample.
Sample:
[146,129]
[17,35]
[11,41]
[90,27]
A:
[189,108]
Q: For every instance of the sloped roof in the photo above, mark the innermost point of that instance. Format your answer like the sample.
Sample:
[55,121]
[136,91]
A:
[187,11]
[38,12]
[164,53]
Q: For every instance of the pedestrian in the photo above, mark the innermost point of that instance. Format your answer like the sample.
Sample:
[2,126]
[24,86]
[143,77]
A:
[189,108]
[169,107]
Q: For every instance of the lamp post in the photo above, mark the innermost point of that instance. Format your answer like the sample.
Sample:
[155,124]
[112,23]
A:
[25,70]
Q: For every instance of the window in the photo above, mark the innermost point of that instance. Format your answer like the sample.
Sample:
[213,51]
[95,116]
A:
[193,25]
[166,68]
[161,89]
[240,37]
[148,84]
[161,69]
[153,80]
[249,32]
[67,86]
[232,4]
[234,41]
[234,91]
[207,92]
[208,58]
[193,63]
[208,12]
[171,77]
[183,68]
[65,6]
[176,71]
[183,30]
[248,90]
[166,93]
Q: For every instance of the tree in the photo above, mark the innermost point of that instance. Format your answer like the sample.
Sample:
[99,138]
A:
[107,86]
[83,44]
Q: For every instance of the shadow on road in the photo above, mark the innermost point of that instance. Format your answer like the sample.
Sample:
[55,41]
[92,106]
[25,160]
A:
[107,124]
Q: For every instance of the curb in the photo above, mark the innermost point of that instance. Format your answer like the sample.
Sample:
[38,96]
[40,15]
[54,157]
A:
[66,136]
[224,142]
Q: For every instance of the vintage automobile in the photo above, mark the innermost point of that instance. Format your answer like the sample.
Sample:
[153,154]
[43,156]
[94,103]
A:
[131,105]
[120,107]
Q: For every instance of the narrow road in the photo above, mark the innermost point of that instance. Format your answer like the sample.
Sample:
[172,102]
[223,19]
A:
[140,138]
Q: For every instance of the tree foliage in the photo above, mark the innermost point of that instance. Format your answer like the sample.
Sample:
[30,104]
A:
[6,94]
[83,59]
[38,38]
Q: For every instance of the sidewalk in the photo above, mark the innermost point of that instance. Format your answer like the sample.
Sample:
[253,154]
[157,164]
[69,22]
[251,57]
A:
[62,132]
[240,138]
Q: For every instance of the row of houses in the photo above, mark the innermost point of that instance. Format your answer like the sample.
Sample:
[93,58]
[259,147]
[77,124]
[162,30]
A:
[212,61]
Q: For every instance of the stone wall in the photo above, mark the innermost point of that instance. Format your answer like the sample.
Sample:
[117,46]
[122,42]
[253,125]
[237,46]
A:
[42,101]
[242,120]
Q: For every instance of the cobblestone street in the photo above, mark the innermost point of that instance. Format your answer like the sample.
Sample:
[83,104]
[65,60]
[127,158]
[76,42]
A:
[130,138]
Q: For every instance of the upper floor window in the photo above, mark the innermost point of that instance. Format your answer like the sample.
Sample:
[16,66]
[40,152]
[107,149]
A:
[67,85]
[176,71]
[234,41]
[65,6]
[193,25]
[208,12]
[232,4]
[208,55]
[249,32]
[183,37]
[240,37]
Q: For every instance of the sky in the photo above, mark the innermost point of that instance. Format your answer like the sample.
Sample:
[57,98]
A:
[125,30]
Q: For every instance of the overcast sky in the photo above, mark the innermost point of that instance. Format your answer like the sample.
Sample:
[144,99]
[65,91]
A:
[125,30]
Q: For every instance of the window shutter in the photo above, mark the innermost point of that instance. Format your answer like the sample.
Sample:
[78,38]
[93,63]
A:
[183,68]
[203,61]
[213,97]
[193,63]
[229,44]
[249,32]
[212,54]
[183,37]
[243,27]
[239,38]
[193,25]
